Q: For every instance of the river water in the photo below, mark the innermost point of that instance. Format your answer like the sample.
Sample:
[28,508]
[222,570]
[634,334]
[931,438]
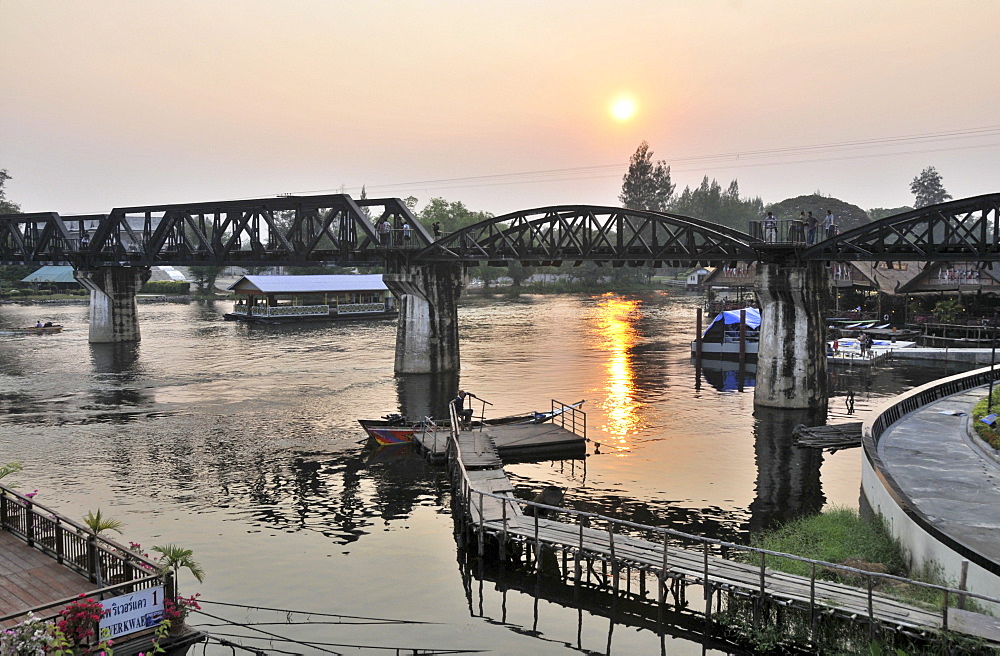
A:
[241,443]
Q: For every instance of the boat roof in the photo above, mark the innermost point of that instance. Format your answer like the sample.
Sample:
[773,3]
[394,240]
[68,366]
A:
[333,283]
[733,316]
[51,273]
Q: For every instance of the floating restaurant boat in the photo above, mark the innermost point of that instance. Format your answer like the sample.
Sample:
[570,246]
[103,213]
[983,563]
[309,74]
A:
[33,330]
[397,429]
[283,299]
[722,337]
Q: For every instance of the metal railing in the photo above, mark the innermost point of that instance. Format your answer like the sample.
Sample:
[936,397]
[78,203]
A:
[572,419]
[104,562]
[706,548]
[359,308]
[283,310]
[789,231]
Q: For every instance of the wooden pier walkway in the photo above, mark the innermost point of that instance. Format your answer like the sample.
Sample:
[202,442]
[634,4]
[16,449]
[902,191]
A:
[492,513]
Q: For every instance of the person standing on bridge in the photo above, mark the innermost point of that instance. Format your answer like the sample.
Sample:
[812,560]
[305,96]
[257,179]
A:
[384,232]
[828,225]
[406,234]
[436,227]
[770,227]
[811,222]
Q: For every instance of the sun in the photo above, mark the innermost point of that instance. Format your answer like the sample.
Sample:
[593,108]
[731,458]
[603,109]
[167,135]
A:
[623,109]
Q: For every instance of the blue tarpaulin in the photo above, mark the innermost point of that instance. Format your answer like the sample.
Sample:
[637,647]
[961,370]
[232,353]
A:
[733,317]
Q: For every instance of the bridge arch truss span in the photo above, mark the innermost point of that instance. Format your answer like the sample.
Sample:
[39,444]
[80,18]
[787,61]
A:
[963,230]
[553,235]
[278,231]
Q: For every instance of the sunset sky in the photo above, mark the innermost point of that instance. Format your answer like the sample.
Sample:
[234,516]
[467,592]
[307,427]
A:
[500,105]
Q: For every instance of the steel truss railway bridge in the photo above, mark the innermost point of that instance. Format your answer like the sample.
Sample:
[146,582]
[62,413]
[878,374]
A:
[112,255]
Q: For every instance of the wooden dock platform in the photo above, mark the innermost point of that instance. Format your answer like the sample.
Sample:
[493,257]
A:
[563,437]
[29,578]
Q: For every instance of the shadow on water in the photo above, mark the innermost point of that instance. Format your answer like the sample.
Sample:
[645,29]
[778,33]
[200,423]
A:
[591,600]
[788,477]
[342,496]
[119,366]
[426,395]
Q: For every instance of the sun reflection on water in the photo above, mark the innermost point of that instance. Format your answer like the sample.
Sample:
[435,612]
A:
[615,334]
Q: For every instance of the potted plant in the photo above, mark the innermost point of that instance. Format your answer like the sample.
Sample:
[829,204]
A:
[176,610]
[79,620]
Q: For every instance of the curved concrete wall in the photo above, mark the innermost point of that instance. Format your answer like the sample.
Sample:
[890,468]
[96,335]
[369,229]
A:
[924,543]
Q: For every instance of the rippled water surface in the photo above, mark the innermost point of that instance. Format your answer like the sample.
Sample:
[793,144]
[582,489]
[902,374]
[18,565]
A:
[241,443]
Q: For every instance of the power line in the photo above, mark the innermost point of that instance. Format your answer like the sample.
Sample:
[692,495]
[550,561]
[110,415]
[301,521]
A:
[733,159]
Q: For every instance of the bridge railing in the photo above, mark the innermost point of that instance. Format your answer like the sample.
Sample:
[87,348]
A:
[788,231]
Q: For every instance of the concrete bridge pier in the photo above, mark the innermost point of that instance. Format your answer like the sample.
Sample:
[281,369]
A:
[791,358]
[113,313]
[427,332]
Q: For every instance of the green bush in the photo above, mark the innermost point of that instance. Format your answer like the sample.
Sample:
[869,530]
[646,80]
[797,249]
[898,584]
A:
[166,287]
[836,535]
[12,293]
[990,434]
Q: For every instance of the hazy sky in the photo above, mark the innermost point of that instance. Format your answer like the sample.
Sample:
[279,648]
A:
[503,105]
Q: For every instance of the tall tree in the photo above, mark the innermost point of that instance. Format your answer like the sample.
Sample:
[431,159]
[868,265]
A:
[711,202]
[205,277]
[647,185]
[6,206]
[452,216]
[927,188]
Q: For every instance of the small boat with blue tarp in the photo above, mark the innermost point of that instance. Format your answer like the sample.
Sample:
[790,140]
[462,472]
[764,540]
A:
[722,337]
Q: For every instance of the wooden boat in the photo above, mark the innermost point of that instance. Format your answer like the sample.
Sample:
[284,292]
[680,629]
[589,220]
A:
[397,429]
[33,330]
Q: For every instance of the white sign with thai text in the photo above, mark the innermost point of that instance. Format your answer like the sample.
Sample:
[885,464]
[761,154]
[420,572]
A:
[129,613]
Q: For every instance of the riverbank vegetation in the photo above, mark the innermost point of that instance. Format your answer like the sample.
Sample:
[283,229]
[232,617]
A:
[841,536]
[990,433]
[837,535]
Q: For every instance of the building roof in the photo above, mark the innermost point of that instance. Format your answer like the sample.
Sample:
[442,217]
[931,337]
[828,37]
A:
[290,284]
[51,273]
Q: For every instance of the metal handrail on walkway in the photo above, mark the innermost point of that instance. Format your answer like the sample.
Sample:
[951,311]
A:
[814,598]
[572,419]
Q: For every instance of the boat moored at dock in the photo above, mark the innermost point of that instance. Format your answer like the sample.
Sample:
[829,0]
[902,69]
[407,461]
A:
[397,429]
[725,337]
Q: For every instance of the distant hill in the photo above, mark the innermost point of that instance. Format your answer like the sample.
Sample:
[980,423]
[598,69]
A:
[848,216]
[877,213]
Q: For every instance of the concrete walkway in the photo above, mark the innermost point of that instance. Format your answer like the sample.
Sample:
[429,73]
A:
[945,473]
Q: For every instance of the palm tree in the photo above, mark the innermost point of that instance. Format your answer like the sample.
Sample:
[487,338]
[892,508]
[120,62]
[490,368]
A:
[173,557]
[98,523]
[10,468]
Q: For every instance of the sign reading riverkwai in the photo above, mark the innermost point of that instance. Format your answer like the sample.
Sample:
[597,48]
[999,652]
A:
[129,613]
